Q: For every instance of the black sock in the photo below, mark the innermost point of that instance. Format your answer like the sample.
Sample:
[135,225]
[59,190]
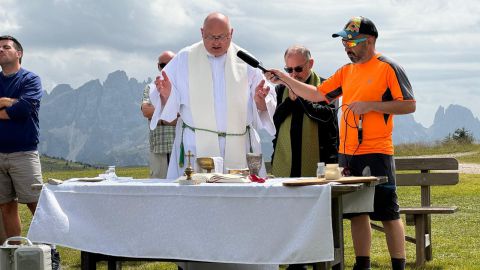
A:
[361,263]
[398,264]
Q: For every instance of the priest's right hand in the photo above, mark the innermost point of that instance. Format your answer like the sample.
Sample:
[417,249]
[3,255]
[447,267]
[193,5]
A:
[164,87]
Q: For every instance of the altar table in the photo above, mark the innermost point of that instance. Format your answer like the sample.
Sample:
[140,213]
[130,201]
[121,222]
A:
[231,223]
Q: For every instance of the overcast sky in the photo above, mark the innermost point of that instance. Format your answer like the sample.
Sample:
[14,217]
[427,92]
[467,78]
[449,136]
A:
[75,41]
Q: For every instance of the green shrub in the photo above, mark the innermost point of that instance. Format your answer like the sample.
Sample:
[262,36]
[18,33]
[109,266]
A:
[460,136]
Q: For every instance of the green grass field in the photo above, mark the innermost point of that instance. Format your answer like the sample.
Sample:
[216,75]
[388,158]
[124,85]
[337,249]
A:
[456,238]
[418,149]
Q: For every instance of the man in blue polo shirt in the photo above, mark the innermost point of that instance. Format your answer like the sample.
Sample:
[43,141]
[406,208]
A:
[20,94]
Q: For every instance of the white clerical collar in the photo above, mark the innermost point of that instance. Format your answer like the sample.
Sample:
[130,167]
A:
[221,57]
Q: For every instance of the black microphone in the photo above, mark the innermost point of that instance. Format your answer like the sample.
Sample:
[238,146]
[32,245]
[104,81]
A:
[250,60]
[360,129]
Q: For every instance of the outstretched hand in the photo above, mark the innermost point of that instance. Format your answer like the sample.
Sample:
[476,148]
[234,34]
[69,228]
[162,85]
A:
[164,87]
[275,76]
[360,107]
[261,91]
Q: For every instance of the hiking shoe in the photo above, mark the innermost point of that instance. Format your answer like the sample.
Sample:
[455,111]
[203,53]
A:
[297,267]
[55,259]
[356,267]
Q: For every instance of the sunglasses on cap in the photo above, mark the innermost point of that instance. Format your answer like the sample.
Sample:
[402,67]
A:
[161,65]
[350,43]
[297,69]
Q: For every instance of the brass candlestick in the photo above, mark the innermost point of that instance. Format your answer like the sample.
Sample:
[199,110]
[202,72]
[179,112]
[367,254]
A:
[189,169]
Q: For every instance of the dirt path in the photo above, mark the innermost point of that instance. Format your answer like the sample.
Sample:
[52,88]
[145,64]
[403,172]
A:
[468,168]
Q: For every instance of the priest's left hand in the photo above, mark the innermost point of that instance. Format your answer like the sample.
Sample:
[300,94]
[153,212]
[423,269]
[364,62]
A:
[164,87]
[260,93]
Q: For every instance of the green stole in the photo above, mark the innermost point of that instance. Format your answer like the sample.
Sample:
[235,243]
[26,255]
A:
[282,160]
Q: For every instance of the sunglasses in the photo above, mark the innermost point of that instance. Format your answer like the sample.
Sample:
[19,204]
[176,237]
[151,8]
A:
[297,69]
[350,43]
[161,65]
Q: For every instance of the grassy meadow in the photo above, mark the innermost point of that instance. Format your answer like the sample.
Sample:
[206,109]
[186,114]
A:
[440,149]
[456,238]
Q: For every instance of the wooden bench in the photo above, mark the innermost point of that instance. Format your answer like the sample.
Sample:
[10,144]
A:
[424,172]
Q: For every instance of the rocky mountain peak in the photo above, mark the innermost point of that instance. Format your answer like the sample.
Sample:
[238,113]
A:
[102,123]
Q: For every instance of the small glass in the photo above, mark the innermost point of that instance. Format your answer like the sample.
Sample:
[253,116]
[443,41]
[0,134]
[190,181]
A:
[110,173]
[321,170]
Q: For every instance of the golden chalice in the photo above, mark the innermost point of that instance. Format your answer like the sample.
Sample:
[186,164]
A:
[206,163]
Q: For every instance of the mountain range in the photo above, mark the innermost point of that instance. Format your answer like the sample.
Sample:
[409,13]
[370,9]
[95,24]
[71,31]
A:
[101,123]
[96,123]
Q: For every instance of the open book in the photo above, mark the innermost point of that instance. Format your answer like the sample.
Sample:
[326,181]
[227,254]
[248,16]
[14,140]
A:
[217,178]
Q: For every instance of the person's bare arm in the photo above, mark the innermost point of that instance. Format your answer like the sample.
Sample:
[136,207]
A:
[7,102]
[389,107]
[306,91]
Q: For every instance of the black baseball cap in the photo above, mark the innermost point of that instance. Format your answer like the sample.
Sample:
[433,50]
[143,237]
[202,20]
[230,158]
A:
[356,26]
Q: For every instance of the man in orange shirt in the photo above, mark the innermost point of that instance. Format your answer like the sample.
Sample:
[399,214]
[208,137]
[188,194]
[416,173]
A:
[374,88]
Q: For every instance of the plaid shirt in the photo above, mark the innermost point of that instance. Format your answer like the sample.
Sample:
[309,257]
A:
[161,138]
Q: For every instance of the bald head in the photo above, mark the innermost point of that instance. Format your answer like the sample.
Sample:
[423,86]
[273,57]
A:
[216,33]
[164,58]
[298,49]
[216,18]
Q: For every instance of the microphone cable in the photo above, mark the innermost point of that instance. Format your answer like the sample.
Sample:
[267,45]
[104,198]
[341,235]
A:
[334,111]
[250,60]
[356,125]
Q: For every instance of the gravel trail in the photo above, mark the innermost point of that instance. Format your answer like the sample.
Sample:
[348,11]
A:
[468,168]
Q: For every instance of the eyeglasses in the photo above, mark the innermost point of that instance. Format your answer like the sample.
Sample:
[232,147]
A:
[350,43]
[161,65]
[222,37]
[297,69]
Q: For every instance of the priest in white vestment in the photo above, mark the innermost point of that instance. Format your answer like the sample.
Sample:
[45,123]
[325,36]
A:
[214,92]
[221,102]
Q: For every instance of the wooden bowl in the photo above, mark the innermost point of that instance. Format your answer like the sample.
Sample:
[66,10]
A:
[206,163]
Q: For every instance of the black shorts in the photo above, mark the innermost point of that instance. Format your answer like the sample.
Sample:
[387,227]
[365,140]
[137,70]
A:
[385,203]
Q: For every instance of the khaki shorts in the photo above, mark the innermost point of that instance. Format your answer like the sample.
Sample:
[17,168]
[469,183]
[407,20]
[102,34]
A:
[158,165]
[18,171]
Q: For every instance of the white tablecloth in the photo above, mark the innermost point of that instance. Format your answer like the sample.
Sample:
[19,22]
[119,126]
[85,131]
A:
[233,223]
[360,201]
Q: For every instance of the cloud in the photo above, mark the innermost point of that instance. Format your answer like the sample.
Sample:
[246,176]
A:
[7,19]
[89,63]
[67,41]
